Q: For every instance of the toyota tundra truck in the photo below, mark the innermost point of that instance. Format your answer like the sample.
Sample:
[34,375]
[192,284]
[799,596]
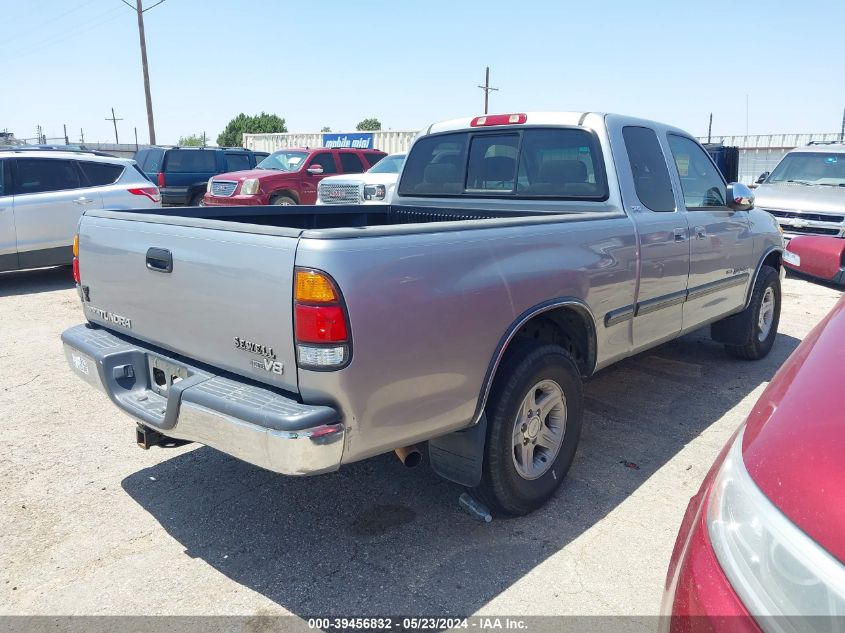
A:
[521,253]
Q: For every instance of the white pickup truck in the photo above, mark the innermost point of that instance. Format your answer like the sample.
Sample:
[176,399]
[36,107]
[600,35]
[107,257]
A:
[374,186]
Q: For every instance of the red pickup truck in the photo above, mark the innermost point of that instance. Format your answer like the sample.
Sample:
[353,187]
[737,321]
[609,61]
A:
[289,176]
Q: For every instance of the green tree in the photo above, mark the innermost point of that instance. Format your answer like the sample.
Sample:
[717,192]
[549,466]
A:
[192,140]
[326,129]
[369,125]
[233,134]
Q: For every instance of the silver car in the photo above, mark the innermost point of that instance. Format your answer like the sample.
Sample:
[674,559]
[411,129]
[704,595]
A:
[806,191]
[43,193]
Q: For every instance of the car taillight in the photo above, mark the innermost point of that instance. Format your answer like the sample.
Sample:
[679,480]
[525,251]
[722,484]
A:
[498,119]
[321,325]
[150,192]
[160,180]
[76,259]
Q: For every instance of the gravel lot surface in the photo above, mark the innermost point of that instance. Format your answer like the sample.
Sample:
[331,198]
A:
[93,525]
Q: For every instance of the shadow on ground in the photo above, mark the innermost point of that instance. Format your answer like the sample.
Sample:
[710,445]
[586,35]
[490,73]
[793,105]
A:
[27,282]
[376,538]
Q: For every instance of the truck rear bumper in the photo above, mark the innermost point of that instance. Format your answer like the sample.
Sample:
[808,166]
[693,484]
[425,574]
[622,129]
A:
[188,402]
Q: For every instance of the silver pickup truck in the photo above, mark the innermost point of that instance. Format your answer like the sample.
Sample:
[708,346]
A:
[521,254]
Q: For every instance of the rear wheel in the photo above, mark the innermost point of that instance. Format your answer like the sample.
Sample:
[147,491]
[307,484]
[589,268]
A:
[282,200]
[534,424]
[196,201]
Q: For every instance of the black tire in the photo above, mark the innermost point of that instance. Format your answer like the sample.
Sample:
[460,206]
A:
[742,333]
[282,200]
[502,487]
[196,200]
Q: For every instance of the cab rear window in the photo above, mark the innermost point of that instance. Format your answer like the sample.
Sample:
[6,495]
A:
[542,163]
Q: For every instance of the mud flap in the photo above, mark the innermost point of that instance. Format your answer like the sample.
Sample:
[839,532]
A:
[459,456]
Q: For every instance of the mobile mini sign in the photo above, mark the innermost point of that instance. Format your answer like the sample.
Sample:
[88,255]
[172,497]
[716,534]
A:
[355,140]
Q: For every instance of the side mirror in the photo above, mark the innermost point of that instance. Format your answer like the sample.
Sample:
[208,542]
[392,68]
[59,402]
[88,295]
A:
[315,170]
[740,197]
[762,177]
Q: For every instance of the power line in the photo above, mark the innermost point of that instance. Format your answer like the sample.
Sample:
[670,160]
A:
[41,25]
[50,42]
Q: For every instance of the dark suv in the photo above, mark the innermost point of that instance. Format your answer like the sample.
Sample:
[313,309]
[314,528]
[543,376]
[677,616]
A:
[182,173]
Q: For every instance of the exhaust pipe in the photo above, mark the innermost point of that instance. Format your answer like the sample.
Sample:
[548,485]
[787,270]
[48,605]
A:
[409,455]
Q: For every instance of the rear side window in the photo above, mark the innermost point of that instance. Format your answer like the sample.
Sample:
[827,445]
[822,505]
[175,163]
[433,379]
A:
[543,163]
[237,162]
[326,161]
[188,161]
[351,163]
[99,174]
[648,164]
[435,166]
[372,159]
[36,175]
[151,160]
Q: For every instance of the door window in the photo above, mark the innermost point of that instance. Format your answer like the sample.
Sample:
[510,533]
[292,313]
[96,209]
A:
[651,176]
[100,174]
[351,163]
[701,182]
[5,189]
[326,161]
[36,175]
[237,162]
[373,158]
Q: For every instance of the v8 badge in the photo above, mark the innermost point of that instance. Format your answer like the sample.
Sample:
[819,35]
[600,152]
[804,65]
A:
[269,365]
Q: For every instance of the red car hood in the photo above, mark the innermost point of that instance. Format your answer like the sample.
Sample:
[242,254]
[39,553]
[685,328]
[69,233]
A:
[261,174]
[794,445]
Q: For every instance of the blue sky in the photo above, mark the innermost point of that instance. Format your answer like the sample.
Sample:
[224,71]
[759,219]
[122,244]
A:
[409,63]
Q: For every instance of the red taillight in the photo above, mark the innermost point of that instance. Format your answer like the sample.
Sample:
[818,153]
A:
[150,192]
[160,179]
[76,270]
[498,119]
[320,324]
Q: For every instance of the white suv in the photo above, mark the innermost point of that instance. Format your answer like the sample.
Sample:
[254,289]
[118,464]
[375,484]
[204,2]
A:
[374,186]
[43,193]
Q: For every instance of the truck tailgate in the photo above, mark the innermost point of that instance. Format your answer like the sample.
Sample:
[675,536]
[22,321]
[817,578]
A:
[226,300]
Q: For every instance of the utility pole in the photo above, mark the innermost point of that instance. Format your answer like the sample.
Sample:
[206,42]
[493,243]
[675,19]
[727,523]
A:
[136,139]
[81,136]
[486,87]
[114,120]
[842,131]
[710,127]
[64,126]
[139,10]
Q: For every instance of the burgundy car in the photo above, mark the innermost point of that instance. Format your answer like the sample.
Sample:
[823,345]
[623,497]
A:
[818,256]
[288,176]
[762,544]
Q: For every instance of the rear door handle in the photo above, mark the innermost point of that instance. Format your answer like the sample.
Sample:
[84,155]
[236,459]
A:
[700,232]
[680,235]
[160,260]
[83,200]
